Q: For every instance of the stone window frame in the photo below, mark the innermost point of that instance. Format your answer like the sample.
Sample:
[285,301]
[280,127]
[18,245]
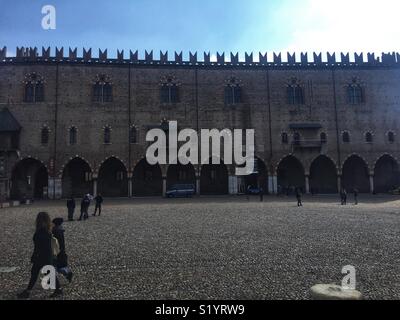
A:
[368,134]
[102,80]
[389,134]
[348,134]
[354,83]
[37,81]
[133,126]
[285,135]
[45,127]
[293,87]
[233,91]
[69,131]
[107,128]
[323,141]
[170,82]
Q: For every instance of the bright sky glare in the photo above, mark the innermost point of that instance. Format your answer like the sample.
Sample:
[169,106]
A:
[206,25]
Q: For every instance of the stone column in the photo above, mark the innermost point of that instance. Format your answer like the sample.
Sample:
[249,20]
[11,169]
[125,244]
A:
[339,183]
[130,187]
[94,187]
[233,185]
[50,188]
[273,184]
[371,183]
[54,188]
[307,184]
[198,185]
[164,186]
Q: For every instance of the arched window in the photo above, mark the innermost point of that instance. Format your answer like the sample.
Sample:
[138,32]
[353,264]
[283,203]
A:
[233,91]
[346,137]
[368,137]
[391,137]
[133,135]
[73,136]
[285,138]
[107,135]
[34,88]
[355,93]
[102,89]
[295,93]
[296,139]
[44,137]
[323,138]
[169,90]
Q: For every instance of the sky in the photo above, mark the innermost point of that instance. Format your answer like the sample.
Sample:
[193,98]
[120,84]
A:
[205,25]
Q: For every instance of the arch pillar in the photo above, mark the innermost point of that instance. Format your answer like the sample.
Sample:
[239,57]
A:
[130,184]
[164,185]
[307,183]
[371,182]
[94,180]
[339,182]
[54,189]
[198,184]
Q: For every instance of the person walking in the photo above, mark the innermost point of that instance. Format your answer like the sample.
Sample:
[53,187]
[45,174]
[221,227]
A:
[99,200]
[298,197]
[261,194]
[344,201]
[62,258]
[42,254]
[85,203]
[355,196]
[71,208]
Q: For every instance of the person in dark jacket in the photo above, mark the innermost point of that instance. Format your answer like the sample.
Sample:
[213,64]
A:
[71,208]
[99,200]
[355,196]
[298,197]
[42,254]
[85,203]
[62,258]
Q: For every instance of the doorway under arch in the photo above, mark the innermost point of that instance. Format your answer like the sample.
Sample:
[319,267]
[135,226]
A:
[112,180]
[77,179]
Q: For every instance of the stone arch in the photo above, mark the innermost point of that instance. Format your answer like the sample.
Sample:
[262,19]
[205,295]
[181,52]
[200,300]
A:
[323,176]
[355,174]
[181,174]
[291,174]
[214,179]
[386,174]
[112,179]
[259,178]
[76,178]
[147,179]
[29,179]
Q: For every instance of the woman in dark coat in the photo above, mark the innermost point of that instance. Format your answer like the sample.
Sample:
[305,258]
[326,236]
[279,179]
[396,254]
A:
[62,258]
[71,208]
[42,254]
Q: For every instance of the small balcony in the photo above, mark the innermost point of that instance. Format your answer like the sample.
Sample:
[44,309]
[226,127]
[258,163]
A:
[307,144]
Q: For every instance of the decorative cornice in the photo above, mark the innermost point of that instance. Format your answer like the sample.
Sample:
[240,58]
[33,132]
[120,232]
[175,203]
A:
[293,60]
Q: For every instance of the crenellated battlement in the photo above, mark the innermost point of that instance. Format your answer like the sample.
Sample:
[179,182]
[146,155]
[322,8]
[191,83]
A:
[264,59]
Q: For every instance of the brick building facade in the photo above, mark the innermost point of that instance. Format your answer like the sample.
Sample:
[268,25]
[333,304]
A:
[71,125]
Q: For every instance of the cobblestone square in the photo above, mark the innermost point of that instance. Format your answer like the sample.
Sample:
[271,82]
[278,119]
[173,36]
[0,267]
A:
[213,248]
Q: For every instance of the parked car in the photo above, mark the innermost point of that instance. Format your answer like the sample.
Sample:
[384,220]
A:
[395,191]
[253,190]
[181,190]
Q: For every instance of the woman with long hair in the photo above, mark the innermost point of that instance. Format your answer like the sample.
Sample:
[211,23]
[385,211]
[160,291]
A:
[42,253]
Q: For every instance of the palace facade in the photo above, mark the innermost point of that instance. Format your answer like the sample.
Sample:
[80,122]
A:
[71,125]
